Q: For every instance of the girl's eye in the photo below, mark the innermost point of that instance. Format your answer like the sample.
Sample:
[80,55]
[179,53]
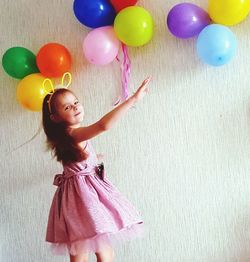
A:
[76,102]
[67,108]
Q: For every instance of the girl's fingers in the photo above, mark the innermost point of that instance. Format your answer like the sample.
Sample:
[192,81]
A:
[147,80]
[144,83]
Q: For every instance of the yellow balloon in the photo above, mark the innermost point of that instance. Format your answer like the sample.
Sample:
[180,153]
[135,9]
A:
[134,26]
[228,12]
[31,92]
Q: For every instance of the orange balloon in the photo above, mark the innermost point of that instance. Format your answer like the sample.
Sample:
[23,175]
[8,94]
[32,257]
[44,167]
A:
[53,60]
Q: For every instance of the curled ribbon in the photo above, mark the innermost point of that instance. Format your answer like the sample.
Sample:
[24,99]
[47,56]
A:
[125,67]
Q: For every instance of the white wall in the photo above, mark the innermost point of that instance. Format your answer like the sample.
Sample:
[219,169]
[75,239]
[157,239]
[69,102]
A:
[181,156]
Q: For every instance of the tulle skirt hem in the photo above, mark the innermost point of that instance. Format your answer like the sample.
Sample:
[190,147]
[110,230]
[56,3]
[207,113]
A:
[99,241]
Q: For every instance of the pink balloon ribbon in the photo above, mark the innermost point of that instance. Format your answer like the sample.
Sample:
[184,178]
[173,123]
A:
[125,67]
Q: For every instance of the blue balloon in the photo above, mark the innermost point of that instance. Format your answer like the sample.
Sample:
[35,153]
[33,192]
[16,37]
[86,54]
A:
[94,13]
[216,44]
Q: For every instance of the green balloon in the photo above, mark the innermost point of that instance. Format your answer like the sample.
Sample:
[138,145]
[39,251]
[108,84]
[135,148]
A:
[19,62]
[134,26]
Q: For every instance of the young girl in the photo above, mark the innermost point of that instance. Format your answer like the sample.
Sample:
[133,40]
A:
[87,213]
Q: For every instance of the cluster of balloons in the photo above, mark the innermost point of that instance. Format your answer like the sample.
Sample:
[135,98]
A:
[113,22]
[52,60]
[216,43]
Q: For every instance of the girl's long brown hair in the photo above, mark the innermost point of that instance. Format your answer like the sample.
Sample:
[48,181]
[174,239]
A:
[59,140]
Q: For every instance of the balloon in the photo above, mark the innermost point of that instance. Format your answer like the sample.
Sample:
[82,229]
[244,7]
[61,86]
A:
[53,60]
[121,4]
[228,12]
[19,62]
[134,26]
[216,45]
[101,45]
[30,92]
[94,13]
[187,20]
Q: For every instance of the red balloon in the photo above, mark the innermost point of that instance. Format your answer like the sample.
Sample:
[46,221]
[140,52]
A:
[53,60]
[121,4]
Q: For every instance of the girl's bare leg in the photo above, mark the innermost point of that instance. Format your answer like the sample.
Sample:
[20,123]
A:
[105,255]
[79,258]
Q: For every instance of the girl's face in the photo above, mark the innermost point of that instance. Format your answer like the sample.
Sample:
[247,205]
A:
[68,110]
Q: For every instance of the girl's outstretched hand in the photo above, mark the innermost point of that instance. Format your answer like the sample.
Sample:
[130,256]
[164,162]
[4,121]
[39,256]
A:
[142,90]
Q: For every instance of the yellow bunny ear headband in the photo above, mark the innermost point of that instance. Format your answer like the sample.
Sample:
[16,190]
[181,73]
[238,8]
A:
[48,85]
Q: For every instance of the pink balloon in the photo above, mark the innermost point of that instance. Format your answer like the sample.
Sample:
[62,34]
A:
[101,45]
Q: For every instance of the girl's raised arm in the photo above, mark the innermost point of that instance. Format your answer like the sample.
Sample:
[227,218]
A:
[106,122]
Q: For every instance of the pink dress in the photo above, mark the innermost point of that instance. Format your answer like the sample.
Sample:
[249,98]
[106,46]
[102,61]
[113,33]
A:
[88,212]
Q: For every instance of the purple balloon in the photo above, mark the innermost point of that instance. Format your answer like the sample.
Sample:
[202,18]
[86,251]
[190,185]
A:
[187,20]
